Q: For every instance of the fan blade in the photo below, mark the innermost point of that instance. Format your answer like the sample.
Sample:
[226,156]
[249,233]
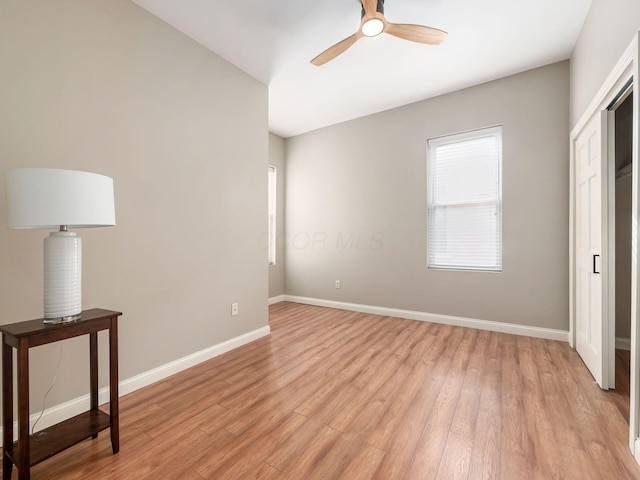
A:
[416,33]
[332,52]
[370,8]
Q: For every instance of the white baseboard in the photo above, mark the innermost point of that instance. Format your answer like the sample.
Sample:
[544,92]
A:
[69,409]
[277,299]
[623,343]
[524,330]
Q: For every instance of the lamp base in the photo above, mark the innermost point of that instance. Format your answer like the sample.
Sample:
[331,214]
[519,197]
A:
[68,318]
[62,277]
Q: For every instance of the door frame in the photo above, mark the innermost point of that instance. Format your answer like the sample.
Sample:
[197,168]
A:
[627,68]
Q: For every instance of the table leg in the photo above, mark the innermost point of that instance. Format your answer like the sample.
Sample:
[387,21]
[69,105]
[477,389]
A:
[113,385]
[24,464]
[7,409]
[93,372]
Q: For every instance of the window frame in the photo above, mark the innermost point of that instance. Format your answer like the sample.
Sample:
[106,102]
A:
[272,183]
[495,131]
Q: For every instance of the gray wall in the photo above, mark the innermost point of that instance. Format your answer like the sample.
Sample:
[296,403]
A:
[277,159]
[104,86]
[607,31]
[623,151]
[356,205]
[623,257]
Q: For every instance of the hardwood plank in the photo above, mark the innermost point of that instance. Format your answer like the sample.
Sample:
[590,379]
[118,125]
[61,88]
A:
[491,382]
[244,453]
[533,395]
[468,404]
[363,464]
[188,420]
[336,460]
[559,406]
[190,475]
[513,465]
[427,455]
[311,456]
[289,447]
[485,453]
[454,379]
[545,460]
[456,457]
[180,454]
[515,436]
[248,450]
[577,464]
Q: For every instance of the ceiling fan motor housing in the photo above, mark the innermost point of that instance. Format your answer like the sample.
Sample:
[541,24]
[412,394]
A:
[379,8]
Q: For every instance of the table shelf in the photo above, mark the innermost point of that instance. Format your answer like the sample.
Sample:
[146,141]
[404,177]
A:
[50,441]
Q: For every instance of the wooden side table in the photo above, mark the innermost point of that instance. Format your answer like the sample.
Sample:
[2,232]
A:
[32,449]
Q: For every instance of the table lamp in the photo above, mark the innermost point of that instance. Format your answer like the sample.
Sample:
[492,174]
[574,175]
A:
[53,198]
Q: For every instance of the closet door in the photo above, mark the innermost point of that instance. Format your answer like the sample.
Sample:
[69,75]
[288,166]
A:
[592,342]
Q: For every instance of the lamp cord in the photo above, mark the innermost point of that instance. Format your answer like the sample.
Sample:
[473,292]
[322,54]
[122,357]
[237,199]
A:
[53,382]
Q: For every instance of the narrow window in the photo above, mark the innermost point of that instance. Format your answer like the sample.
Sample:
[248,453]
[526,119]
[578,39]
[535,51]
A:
[464,192]
[271,229]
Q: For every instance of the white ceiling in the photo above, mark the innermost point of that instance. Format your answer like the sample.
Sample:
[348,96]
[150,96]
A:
[274,40]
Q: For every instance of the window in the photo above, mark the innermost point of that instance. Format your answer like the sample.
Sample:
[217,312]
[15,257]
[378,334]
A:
[464,191]
[271,228]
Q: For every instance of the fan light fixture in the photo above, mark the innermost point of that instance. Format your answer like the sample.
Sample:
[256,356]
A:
[372,27]
[373,23]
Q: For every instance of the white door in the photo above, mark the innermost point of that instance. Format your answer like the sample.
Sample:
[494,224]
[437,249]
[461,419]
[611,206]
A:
[592,342]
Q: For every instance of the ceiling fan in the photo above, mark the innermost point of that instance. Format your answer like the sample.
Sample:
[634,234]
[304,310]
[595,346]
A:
[373,23]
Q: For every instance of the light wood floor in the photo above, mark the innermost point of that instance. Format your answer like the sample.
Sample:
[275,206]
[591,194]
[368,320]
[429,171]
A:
[342,395]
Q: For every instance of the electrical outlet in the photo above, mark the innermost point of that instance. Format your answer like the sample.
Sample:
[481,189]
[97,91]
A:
[234,309]
[338,284]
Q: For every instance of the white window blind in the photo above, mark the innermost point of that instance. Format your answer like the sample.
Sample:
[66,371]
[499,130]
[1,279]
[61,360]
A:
[271,228]
[464,190]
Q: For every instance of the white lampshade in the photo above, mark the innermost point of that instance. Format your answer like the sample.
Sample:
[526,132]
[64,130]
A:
[51,198]
[48,198]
